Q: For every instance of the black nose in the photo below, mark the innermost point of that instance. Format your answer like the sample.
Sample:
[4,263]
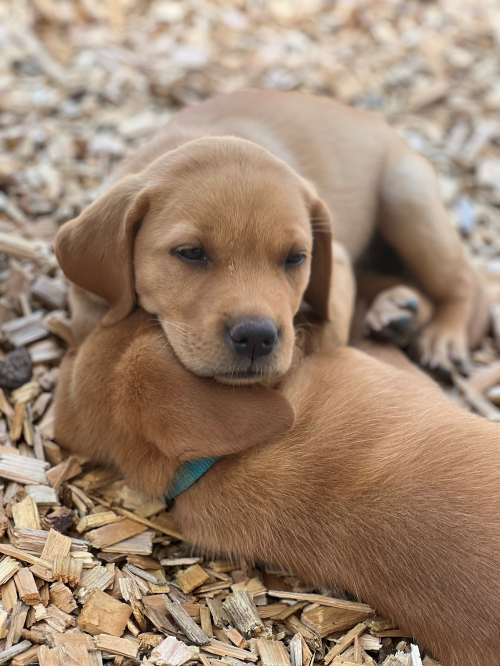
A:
[253,337]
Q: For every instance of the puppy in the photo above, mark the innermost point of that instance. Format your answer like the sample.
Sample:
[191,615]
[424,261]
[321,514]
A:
[222,225]
[381,486]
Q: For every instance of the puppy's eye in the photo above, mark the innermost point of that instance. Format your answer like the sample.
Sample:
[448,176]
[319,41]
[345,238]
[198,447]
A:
[194,254]
[294,259]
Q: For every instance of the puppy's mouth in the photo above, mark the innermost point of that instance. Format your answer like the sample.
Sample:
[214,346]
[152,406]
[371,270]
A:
[248,376]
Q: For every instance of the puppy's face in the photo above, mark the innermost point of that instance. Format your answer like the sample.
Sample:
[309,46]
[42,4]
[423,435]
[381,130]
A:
[221,241]
[223,259]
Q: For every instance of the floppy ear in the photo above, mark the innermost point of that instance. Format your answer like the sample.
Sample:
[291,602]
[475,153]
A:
[318,292]
[187,416]
[95,249]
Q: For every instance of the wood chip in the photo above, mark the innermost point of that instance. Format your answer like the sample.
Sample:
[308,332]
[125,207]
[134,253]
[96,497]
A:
[25,514]
[97,577]
[94,520]
[241,608]
[327,620]
[67,569]
[26,587]
[117,646]
[192,577]
[8,568]
[108,535]
[62,597]
[23,470]
[222,649]
[101,614]
[272,653]
[56,545]
[323,601]
[188,626]
[14,650]
[344,642]
[171,652]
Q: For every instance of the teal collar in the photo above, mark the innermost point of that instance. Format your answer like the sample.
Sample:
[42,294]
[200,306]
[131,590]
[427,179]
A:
[188,474]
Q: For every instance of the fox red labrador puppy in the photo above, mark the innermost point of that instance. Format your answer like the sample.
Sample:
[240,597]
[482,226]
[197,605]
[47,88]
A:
[222,225]
[380,486]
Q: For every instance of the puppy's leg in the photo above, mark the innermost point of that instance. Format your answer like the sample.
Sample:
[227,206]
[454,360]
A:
[397,315]
[413,221]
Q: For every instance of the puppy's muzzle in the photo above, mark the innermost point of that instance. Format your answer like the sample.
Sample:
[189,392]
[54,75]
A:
[253,337]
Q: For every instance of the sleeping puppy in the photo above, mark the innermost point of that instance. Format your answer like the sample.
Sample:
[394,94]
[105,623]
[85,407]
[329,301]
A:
[380,487]
[222,226]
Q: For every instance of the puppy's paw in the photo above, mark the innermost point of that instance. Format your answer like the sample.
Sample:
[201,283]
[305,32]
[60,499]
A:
[443,350]
[393,316]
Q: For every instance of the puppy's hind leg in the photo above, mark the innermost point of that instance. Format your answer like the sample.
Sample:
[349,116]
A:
[413,221]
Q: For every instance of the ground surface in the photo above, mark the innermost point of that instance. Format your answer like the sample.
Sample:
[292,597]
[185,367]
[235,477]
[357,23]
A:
[81,85]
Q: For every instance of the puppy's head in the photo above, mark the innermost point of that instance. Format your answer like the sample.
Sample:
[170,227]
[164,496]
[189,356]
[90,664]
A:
[221,241]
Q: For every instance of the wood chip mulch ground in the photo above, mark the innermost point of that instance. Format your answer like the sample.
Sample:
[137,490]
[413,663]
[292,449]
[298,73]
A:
[90,572]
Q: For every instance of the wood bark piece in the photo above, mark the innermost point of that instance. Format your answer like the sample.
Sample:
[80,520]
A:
[26,587]
[17,620]
[118,646]
[8,568]
[345,642]
[188,626]
[241,608]
[272,653]
[192,577]
[221,649]
[101,614]
[323,601]
[108,535]
[12,651]
[28,657]
[25,514]
[219,614]
[160,620]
